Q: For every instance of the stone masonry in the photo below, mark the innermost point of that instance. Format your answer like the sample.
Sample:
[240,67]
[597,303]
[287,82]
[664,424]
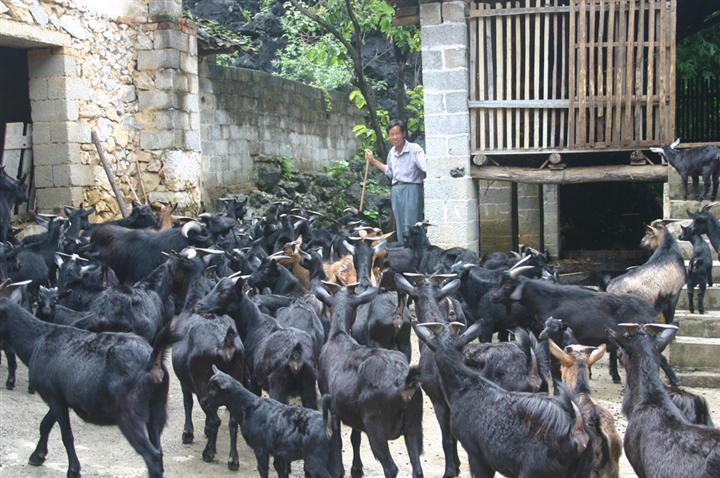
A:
[451,196]
[249,116]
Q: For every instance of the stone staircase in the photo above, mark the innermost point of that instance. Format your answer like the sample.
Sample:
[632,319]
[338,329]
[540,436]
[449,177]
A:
[695,353]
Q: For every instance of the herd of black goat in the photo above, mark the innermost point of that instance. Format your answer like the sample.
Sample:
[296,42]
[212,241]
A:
[300,305]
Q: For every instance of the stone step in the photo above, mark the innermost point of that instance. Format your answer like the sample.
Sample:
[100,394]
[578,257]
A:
[712,298]
[679,208]
[696,325]
[698,378]
[695,353]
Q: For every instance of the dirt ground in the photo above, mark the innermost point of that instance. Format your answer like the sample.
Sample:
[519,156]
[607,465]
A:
[104,452]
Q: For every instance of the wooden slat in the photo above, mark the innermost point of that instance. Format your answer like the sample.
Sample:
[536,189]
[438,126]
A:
[581,131]
[474,73]
[591,73]
[661,110]
[600,118]
[536,80]
[554,82]
[532,104]
[571,75]
[619,77]
[546,77]
[627,128]
[490,80]
[649,109]
[518,76]
[481,77]
[609,75]
[508,76]
[499,80]
[518,11]
[526,123]
[671,73]
[639,71]
[563,70]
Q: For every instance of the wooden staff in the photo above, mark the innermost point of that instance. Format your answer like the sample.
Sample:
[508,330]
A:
[364,184]
[108,172]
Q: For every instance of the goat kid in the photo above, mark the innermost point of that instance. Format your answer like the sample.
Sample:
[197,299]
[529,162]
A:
[700,270]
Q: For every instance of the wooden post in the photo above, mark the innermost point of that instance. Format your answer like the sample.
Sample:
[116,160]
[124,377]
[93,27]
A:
[108,172]
[364,185]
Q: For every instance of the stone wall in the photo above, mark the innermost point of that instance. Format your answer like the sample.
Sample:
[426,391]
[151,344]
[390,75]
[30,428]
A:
[249,117]
[451,195]
[117,72]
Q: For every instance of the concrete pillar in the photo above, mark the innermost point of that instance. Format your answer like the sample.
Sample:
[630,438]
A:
[450,192]
[169,103]
[55,93]
[551,218]
[529,220]
[495,198]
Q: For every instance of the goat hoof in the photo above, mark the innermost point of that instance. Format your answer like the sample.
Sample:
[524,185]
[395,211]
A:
[73,474]
[356,471]
[187,438]
[10,384]
[616,380]
[208,457]
[31,391]
[37,458]
[233,465]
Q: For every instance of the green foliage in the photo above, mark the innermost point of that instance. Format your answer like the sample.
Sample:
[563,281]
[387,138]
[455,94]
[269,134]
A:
[286,167]
[226,59]
[416,108]
[698,56]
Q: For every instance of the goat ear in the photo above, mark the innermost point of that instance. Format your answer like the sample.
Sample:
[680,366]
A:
[448,289]
[324,296]
[517,292]
[405,286]
[565,359]
[425,334]
[215,369]
[596,354]
[366,296]
[68,210]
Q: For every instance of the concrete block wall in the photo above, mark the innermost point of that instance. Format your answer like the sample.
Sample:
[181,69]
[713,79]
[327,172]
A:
[551,218]
[529,220]
[249,116]
[495,198]
[451,195]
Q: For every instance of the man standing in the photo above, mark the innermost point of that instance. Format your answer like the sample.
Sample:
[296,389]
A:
[406,168]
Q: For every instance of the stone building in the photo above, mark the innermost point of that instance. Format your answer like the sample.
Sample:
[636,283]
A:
[173,125]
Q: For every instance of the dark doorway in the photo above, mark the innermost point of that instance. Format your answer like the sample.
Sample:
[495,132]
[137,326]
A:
[14,89]
[607,216]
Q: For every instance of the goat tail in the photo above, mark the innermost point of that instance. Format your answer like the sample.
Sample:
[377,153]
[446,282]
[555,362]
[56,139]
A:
[161,343]
[329,418]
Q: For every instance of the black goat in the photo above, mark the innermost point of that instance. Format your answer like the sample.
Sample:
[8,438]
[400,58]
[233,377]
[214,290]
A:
[433,259]
[510,365]
[588,312]
[563,336]
[659,441]
[106,378]
[141,217]
[513,433]
[134,253]
[12,192]
[286,432]
[705,223]
[659,281]
[700,270]
[279,359]
[693,162]
[373,390]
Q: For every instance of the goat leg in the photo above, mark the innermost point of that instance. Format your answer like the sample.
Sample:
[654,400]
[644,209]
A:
[133,430]
[449,443]
[413,433]
[669,372]
[212,424]
[691,305]
[12,368]
[282,467]
[379,445]
[715,186]
[263,460]
[188,430]
[614,366]
[62,416]
[685,185]
[234,460]
[701,298]
[38,456]
[357,467]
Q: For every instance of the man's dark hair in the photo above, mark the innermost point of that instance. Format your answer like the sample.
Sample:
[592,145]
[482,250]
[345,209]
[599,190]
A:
[397,122]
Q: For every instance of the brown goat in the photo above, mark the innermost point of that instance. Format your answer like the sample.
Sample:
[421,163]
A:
[574,363]
[165,217]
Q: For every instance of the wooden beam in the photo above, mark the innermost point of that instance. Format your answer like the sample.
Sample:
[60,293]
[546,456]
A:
[587,174]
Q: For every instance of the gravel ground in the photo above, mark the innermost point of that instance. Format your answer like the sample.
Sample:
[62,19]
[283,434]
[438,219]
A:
[104,452]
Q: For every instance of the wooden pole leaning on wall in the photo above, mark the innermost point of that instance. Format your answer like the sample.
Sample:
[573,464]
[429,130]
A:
[108,172]
[364,185]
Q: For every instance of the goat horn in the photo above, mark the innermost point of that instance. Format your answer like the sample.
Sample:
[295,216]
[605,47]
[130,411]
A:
[190,226]
[205,214]
[276,258]
[654,329]
[515,272]
[19,284]
[521,262]
[630,328]
[182,218]
[235,274]
[456,327]
[216,252]
[708,206]
[516,255]
[189,253]
[434,327]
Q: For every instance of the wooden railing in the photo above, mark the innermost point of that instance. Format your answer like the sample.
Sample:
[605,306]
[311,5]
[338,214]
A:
[698,110]
[571,75]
